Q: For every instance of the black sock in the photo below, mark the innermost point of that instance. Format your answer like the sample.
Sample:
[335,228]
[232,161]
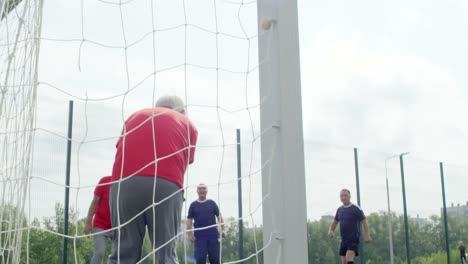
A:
[350,262]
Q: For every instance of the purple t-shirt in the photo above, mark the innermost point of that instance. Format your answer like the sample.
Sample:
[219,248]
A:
[350,218]
[204,214]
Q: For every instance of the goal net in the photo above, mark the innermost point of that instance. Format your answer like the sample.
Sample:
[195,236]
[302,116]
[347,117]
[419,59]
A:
[113,58]
[19,49]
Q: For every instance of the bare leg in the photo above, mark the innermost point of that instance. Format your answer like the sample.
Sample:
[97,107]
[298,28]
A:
[343,260]
[350,255]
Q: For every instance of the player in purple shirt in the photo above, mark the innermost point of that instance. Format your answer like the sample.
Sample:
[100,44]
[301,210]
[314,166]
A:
[203,213]
[350,217]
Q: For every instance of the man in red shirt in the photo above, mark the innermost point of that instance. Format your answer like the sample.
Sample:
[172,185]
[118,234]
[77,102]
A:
[98,220]
[156,146]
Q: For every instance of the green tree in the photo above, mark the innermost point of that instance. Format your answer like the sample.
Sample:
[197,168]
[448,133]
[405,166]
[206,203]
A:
[42,244]
[321,248]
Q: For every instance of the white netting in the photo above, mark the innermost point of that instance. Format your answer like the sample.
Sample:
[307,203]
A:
[19,46]
[113,58]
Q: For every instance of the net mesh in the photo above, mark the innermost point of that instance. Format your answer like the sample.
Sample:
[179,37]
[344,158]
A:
[19,47]
[113,58]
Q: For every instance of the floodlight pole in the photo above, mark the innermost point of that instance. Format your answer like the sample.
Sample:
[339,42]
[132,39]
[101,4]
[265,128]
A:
[389,211]
[282,143]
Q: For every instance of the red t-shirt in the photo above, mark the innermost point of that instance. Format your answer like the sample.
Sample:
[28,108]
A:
[169,135]
[102,215]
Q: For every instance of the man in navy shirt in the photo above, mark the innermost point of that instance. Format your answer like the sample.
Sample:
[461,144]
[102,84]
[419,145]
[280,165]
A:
[350,217]
[202,215]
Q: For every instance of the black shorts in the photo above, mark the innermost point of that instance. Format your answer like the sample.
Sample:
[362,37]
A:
[349,245]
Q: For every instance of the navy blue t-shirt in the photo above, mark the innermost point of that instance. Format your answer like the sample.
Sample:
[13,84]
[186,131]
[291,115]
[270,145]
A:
[350,218]
[204,214]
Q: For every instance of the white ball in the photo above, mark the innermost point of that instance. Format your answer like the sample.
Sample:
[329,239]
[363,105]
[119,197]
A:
[266,24]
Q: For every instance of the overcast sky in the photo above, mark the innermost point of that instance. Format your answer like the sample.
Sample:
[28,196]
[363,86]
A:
[386,77]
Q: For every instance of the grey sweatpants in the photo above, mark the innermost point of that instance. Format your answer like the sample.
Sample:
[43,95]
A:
[100,241]
[162,220]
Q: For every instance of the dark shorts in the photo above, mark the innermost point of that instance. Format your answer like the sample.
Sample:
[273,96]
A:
[349,245]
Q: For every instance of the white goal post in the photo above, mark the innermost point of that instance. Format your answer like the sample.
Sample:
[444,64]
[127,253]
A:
[284,212]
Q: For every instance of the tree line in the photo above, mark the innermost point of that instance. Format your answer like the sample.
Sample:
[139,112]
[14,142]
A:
[427,241]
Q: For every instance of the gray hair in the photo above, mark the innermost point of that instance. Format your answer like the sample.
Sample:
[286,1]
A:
[346,190]
[172,102]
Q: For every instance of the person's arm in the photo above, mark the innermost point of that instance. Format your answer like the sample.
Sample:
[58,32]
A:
[221,224]
[91,211]
[331,230]
[193,142]
[189,227]
[367,238]
[189,224]
[219,217]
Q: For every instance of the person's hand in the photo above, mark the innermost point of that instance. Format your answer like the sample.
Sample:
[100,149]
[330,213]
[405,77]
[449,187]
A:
[88,229]
[223,234]
[331,234]
[191,237]
[367,239]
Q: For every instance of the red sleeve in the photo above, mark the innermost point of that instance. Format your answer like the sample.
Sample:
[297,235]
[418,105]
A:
[99,189]
[119,141]
[193,142]
[124,129]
